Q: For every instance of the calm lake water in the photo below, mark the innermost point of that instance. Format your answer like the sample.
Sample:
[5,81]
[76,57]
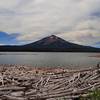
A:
[50,59]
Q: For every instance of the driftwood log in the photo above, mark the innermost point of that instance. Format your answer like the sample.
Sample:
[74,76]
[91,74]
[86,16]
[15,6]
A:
[27,83]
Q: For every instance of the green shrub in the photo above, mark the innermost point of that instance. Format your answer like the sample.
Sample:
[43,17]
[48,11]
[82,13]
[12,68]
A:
[94,95]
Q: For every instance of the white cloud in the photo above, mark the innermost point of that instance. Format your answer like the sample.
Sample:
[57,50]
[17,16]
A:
[2,44]
[71,19]
[27,37]
[86,32]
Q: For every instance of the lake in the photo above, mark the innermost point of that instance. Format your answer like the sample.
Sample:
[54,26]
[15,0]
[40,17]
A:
[51,59]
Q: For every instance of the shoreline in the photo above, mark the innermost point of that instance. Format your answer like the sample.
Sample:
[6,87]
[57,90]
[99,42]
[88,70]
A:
[21,82]
[44,70]
[96,56]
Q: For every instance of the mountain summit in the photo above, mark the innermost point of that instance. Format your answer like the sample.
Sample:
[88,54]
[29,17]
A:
[56,44]
[51,44]
[47,41]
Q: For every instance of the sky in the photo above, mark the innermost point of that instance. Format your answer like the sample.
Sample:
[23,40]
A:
[25,21]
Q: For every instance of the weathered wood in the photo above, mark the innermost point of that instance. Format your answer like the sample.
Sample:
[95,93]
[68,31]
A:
[24,83]
[15,88]
[8,97]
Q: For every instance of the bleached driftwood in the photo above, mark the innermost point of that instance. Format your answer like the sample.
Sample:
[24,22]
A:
[24,83]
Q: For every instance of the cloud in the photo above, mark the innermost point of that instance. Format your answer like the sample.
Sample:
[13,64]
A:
[74,20]
[27,37]
[86,32]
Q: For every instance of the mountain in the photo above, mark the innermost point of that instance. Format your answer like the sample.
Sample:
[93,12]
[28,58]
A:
[51,44]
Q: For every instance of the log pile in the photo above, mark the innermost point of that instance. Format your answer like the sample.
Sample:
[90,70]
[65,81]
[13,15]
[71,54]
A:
[28,83]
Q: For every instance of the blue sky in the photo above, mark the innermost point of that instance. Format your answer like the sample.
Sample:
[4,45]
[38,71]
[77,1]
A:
[24,21]
[8,39]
